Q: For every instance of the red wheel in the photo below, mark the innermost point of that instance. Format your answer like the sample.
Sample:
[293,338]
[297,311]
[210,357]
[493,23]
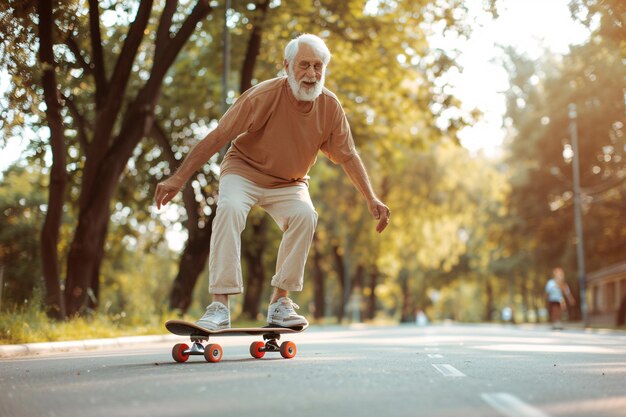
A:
[178,352]
[255,350]
[288,350]
[213,353]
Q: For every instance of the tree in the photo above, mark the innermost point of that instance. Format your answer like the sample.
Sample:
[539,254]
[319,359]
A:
[542,198]
[112,110]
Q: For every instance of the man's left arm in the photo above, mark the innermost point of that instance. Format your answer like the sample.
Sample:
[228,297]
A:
[355,170]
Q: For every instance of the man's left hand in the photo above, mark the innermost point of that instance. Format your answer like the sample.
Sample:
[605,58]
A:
[380,212]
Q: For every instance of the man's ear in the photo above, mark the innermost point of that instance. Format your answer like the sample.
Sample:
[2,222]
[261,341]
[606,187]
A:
[285,64]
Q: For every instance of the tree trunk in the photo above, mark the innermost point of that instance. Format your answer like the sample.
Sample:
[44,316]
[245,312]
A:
[254,46]
[341,274]
[319,297]
[525,299]
[93,294]
[86,251]
[54,305]
[408,305]
[371,298]
[489,303]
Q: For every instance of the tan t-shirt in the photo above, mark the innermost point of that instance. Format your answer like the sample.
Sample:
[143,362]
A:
[274,143]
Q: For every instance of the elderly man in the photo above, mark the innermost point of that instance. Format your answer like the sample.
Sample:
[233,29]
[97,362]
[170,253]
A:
[277,129]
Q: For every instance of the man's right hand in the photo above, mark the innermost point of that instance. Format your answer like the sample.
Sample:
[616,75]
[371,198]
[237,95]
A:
[166,190]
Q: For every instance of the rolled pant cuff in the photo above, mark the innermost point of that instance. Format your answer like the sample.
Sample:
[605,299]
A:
[226,291]
[285,286]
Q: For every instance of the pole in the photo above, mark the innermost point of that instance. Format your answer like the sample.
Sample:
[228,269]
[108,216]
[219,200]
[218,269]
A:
[225,70]
[1,283]
[226,52]
[578,222]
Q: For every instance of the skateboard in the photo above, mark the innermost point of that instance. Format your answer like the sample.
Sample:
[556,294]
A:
[212,352]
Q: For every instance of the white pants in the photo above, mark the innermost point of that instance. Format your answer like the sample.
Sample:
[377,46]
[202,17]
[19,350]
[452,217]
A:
[290,207]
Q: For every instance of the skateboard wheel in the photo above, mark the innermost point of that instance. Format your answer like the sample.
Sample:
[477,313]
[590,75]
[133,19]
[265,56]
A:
[255,350]
[178,352]
[288,350]
[213,353]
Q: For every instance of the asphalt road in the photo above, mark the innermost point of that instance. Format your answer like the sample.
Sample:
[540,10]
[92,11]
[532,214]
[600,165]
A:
[456,370]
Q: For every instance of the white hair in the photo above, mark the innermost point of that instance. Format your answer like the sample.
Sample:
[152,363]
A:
[315,42]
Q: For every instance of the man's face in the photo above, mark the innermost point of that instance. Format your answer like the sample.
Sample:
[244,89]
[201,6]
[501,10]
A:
[306,74]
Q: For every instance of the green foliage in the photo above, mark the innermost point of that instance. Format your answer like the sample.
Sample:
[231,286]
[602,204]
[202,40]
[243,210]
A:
[22,201]
[541,224]
[460,302]
[453,208]
[590,78]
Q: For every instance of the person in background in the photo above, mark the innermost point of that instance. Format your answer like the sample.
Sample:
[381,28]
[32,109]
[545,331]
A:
[557,291]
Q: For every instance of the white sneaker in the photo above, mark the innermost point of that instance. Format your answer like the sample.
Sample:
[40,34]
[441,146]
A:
[282,313]
[216,317]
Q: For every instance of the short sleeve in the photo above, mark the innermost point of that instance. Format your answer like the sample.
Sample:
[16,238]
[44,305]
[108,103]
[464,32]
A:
[238,119]
[339,147]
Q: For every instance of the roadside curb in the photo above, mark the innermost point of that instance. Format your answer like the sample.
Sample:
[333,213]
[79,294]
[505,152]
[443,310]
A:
[30,349]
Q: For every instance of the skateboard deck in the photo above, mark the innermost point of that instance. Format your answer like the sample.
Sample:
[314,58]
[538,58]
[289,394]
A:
[212,352]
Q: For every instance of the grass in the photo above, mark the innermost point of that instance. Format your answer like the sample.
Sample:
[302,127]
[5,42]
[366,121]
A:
[31,326]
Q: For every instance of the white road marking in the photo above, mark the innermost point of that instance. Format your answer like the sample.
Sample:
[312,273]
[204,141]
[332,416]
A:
[511,406]
[435,355]
[447,370]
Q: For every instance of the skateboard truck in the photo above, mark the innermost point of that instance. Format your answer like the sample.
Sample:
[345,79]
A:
[196,349]
[271,344]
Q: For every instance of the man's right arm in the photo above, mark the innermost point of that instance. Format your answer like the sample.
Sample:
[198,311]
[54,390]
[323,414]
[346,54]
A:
[235,121]
[199,155]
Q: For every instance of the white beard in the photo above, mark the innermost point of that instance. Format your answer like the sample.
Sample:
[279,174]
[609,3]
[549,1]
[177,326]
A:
[300,92]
